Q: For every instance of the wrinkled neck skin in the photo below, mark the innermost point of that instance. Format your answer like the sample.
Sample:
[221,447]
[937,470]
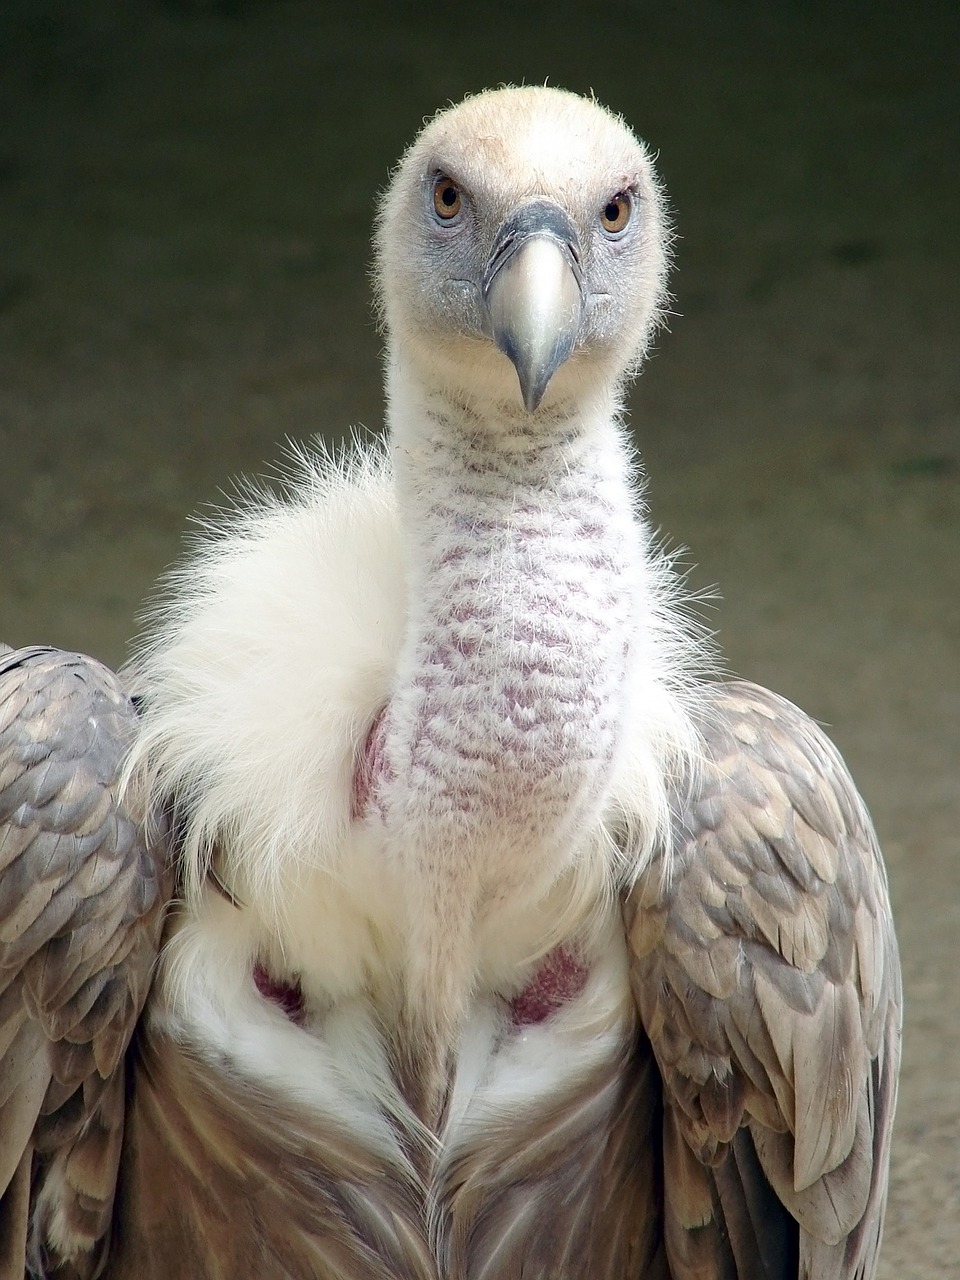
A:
[500,739]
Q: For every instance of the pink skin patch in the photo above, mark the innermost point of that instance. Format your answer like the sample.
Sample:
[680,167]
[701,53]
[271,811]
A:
[560,979]
[289,997]
[368,766]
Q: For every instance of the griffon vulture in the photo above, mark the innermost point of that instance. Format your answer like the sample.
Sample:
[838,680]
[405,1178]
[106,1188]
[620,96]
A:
[497,942]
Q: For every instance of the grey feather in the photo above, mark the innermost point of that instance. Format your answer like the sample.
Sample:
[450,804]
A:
[776,1030]
[81,900]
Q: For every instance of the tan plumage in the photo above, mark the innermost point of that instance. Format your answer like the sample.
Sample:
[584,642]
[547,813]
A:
[81,899]
[503,943]
[764,965]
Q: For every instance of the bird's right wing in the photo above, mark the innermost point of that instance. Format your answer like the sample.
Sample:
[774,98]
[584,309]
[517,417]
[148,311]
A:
[81,904]
[765,968]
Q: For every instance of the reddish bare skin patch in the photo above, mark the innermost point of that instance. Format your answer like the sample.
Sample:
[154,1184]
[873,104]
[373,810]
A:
[368,767]
[560,979]
[289,997]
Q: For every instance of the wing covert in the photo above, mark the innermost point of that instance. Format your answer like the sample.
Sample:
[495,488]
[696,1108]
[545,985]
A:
[765,969]
[81,899]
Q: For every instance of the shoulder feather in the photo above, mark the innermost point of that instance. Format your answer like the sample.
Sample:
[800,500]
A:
[81,899]
[765,968]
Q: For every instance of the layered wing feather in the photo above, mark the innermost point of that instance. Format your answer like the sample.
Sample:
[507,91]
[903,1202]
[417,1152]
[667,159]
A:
[569,1189]
[225,1179]
[81,899]
[765,969]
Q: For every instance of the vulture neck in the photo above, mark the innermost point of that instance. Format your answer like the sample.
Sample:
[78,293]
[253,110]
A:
[500,738]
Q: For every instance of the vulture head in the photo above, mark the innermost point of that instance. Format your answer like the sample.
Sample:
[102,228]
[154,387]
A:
[523,228]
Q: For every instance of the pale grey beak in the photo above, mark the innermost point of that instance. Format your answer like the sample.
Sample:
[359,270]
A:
[533,293]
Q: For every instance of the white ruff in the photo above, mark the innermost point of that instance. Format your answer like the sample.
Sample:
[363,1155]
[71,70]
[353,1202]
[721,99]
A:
[285,637]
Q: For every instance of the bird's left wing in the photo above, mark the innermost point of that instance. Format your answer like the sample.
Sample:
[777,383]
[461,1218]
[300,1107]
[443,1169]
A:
[81,898]
[765,968]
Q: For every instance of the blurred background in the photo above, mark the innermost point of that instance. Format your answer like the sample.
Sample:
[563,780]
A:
[187,190]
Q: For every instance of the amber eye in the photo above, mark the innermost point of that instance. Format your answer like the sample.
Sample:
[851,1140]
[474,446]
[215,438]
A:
[616,213]
[447,200]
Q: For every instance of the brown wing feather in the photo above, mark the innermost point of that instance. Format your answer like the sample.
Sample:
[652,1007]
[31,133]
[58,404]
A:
[765,968]
[80,906]
[224,1179]
[570,1190]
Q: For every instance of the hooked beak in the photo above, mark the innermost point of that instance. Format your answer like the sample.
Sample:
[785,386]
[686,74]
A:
[533,293]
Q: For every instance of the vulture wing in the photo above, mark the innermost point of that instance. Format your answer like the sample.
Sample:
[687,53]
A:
[764,965]
[81,900]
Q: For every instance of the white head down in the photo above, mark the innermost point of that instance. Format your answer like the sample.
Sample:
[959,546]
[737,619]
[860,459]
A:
[524,227]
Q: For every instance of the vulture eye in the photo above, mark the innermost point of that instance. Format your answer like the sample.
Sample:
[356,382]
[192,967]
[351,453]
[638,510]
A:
[447,200]
[616,213]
